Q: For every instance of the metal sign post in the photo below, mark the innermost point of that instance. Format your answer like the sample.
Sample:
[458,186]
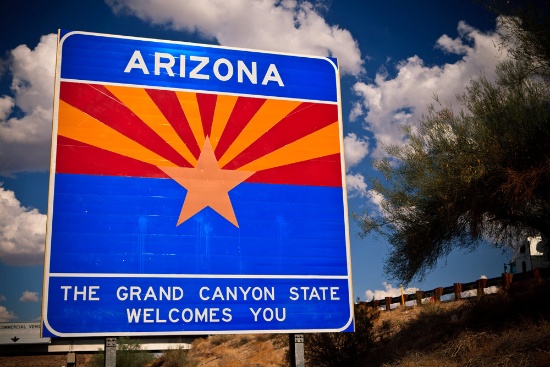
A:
[299,350]
[110,352]
[296,350]
[194,189]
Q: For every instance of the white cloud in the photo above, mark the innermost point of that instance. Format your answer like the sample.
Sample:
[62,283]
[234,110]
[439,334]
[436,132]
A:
[2,298]
[356,111]
[284,26]
[453,46]
[6,107]
[28,296]
[388,291]
[356,185]
[390,103]
[25,141]
[473,292]
[375,199]
[355,149]
[5,315]
[22,232]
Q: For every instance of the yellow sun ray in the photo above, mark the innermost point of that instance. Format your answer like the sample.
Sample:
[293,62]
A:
[139,102]
[270,114]
[77,125]
[190,106]
[224,108]
[318,144]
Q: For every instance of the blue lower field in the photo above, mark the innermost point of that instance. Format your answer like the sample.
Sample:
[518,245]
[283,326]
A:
[128,225]
[119,265]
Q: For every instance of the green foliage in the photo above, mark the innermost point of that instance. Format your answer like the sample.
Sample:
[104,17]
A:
[343,349]
[128,354]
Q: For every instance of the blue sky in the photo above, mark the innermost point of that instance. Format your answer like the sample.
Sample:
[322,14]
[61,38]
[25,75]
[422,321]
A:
[394,57]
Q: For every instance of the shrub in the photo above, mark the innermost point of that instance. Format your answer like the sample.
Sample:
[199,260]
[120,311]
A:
[343,349]
[128,354]
[175,358]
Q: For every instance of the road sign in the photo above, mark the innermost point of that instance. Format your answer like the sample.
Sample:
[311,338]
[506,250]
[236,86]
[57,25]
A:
[194,189]
[21,333]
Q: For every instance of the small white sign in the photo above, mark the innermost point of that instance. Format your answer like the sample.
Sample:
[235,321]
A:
[21,333]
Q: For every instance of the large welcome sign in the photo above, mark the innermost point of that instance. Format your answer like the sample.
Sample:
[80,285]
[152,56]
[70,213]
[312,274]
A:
[194,189]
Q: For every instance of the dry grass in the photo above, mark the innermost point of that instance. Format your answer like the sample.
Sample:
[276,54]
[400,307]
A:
[507,330]
[510,348]
[244,350]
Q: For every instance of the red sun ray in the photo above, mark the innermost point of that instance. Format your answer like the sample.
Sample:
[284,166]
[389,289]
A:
[324,171]
[304,120]
[169,105]
[244,110]
[99,103]
[77,157]
[207,105]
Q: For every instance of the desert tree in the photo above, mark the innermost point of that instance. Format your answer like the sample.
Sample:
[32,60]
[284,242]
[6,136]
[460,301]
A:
[463,178]
[482,174]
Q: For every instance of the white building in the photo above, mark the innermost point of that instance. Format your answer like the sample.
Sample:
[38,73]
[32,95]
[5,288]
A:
[529,256]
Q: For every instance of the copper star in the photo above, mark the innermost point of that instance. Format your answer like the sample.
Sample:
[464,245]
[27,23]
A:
[207,185]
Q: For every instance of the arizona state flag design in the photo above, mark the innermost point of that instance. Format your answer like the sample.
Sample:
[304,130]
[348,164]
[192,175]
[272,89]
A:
[174,168]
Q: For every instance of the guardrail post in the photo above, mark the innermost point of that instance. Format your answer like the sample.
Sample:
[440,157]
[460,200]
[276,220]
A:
[507,280]
[419,296]
[438,292]
[536,274]
[404,299]
[458,291]
[388,303]
[481,284]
